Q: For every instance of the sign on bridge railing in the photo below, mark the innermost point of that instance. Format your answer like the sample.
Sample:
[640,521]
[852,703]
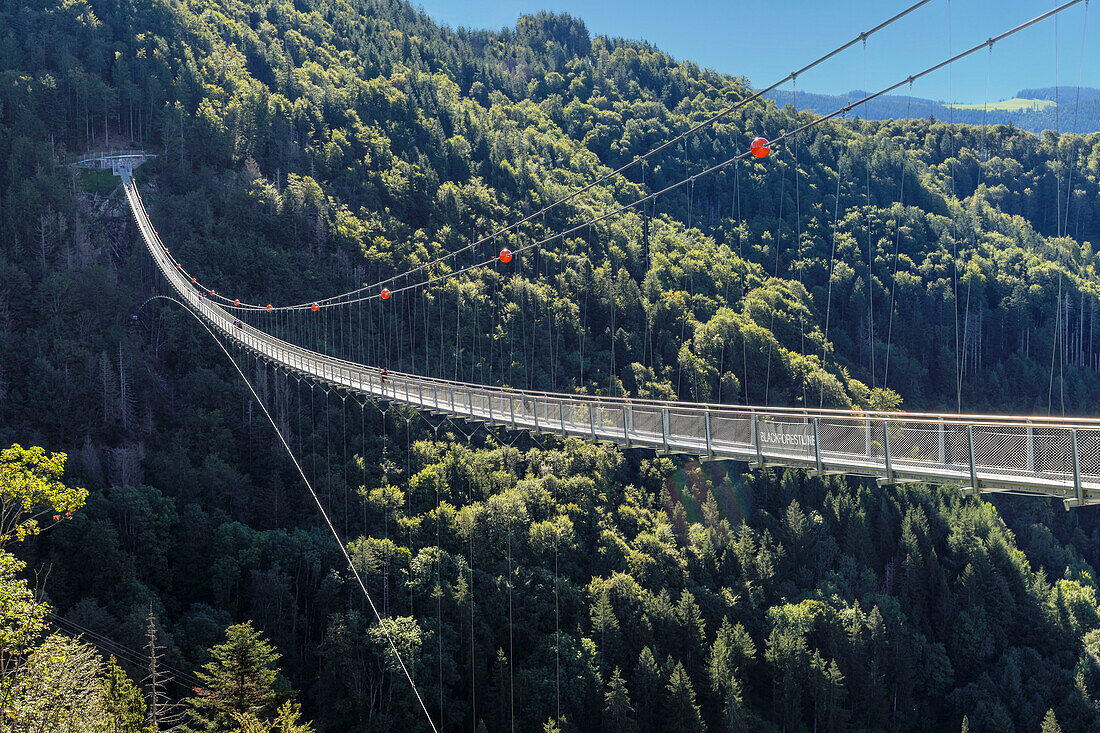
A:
[795,440]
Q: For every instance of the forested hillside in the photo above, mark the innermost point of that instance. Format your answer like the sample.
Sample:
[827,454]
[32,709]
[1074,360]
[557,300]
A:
[309,147]
[1073,110]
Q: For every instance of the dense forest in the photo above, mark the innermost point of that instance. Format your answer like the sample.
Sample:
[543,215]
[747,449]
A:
[531,584]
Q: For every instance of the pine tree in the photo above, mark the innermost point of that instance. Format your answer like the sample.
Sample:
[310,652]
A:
[788,656]
[647,690]
[238,682]
[121,700]
[555,725]
[683,714]
[617,710]
[692,628]
[605,625]
[730,655]
[1050,723]
[497,698]
[287,720]
[737,717]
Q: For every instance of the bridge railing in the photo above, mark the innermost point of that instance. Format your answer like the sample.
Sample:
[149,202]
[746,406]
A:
[1030,454]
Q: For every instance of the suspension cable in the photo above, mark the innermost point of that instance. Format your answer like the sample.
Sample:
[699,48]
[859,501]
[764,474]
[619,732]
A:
[897,250]
[1062,226]
[829,288]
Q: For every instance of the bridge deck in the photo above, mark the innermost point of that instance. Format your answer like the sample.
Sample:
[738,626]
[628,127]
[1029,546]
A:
[1034,455]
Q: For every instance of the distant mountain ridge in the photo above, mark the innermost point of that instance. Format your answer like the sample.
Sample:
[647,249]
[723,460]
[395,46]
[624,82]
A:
[1084,104]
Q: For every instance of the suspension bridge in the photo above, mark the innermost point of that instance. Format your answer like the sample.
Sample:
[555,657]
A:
[1054,457]
[1033,455]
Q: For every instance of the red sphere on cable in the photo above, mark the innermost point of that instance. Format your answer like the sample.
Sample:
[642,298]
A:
[179,266]
[269,307]
[315,307]
[193,281]
[385,293]
[211,292]
[237,302]
[760,147]
[506,255]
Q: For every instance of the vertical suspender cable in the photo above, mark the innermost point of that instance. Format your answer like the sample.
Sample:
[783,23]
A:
[775,274]
[344,417]
[897,246]
[473,667]
[511,642]
[829,288]
[954,220]
[584,318]
[1058,342]
[798,241]
[438,596]
[557,609]
[744,274]
[870,246]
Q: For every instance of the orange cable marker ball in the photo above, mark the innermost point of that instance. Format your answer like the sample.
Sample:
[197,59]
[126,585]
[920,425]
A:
[192,281]
[237,302]
[760,147]
[211,292]
[506,255]
[315,307]
[269,307]
[179,266]
[385,293]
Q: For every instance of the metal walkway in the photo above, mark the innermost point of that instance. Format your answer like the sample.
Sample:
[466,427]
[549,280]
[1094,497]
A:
[1054,457]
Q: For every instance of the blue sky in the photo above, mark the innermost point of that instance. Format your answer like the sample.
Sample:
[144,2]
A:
[767,39]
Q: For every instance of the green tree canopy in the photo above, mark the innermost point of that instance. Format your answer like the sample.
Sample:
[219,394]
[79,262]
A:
[238,681]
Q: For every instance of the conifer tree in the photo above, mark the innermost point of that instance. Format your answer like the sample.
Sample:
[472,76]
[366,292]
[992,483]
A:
[237,682]
[737,718]
[618,712]
[647,690]
[498,698]
[287,720]
[683,714]
[604,624]
[122,700]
